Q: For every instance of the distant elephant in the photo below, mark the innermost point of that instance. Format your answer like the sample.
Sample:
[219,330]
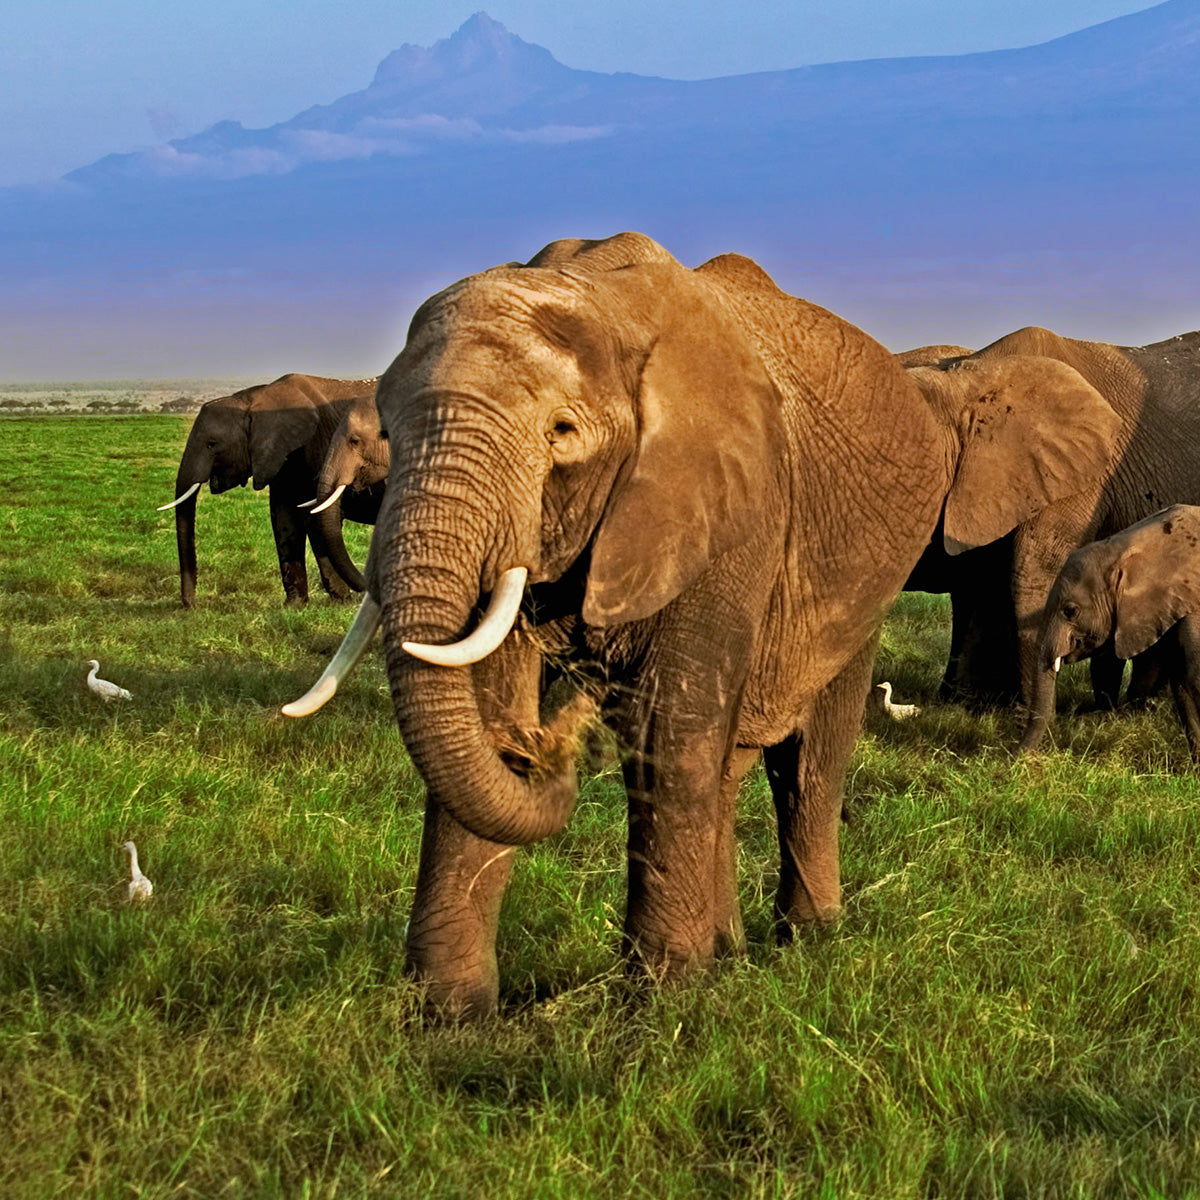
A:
[716,491]
[352,480]
[1135,590]
[998,593]
[276,433]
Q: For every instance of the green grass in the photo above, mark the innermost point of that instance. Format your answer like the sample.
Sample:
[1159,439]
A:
[1008,1008]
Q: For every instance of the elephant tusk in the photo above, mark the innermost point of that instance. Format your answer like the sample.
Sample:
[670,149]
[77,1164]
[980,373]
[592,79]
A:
[489,633]
[179,500]
[1057,664]
[307,503]
[362,629]
[337,491]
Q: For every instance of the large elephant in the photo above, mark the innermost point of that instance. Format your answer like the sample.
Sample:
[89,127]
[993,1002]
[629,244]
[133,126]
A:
[276,434]
[999,593]
[352,481]
[716,491]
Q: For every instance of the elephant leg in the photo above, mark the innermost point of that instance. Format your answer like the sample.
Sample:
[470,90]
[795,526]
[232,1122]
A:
[1185,680]
[1106,671]
[1148,675]
[331,579]
[983,666]
[729,937]
[806,773]
[288,526]
[456,910]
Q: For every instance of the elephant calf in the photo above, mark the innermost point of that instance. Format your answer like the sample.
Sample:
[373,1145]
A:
[1123,595]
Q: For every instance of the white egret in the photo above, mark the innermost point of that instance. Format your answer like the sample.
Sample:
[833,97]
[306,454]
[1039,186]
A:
[898,712]
[102,688]
[140,888]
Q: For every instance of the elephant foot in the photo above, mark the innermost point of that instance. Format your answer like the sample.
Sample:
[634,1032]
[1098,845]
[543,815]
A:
[293,600]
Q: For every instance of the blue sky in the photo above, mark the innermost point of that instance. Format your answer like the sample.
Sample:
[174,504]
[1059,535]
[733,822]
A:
[82,78]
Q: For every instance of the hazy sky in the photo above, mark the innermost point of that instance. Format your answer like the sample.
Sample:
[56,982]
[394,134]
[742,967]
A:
[83,78]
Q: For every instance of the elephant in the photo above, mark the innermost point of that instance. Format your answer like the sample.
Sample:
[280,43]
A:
[998,592]
[685,500]
[276,434]
[931,356]
[352,480]
[1136,590]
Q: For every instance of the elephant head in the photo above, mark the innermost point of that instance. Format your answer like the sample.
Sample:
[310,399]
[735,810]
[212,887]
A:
[1125,591]
[246,436]
[354,472]
[531,434]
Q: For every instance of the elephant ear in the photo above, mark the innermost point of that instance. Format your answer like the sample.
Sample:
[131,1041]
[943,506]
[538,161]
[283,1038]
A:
[709,439]
[1158,577]
[282,420]
[1031,431]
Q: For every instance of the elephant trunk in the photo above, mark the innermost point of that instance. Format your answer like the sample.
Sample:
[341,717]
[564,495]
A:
[503,782]
[185,540]
[330,523]
[1045,680]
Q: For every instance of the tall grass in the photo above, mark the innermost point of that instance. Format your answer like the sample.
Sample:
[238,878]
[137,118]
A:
[1007,1009]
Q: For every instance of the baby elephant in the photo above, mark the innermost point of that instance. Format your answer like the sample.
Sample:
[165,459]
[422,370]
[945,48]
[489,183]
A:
[1125,593]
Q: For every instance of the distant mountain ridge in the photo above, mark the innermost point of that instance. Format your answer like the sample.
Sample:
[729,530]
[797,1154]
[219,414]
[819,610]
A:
[929,199]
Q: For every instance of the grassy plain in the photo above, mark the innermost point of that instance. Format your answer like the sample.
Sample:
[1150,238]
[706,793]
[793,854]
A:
[1008,1009]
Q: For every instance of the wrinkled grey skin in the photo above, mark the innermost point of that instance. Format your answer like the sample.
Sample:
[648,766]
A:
[998,593]
[277,435]
[718,490]
[1136,592]
[357,459]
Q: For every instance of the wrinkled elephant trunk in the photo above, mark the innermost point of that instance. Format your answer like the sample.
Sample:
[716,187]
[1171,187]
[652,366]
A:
[1045,681]
[330,524]
[185,540]
[503,782]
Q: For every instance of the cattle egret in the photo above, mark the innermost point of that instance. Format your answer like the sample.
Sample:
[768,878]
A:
[102,688]
[898,712]
[140,888]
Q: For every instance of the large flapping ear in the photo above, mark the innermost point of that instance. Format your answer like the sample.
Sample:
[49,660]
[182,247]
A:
[1031,431]
[1158,577]
[283,417]
[710,437]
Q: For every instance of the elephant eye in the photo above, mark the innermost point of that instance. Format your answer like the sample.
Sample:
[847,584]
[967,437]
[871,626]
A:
[211,443]
[383,434]
[352,440]
[1070,610]
[563,428]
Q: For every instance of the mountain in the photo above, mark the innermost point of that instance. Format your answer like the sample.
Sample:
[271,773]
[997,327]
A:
[930,200]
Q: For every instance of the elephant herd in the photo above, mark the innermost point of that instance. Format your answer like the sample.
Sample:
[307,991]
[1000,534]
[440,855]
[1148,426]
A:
[680,500]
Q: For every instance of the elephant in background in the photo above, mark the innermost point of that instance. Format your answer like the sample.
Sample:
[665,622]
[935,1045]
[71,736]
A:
[715,492]
[352,480]
[931,356]
[275,434]
[998,593]
[1135,592]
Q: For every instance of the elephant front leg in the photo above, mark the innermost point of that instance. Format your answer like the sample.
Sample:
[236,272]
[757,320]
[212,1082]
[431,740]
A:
[452,931]
[1185,680]
[682,904]
[288,526]
[806,772]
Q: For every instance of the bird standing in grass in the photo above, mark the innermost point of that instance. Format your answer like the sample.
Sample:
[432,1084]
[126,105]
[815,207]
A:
[102,688]
[898,712]
[140,888]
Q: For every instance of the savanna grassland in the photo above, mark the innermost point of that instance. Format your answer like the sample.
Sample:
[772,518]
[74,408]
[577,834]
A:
[1008,1009]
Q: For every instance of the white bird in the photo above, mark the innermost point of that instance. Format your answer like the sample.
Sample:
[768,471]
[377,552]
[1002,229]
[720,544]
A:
[898,712]
[102,688]
[140,888]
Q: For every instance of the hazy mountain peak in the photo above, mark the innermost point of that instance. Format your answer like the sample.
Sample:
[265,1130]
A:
[479,44]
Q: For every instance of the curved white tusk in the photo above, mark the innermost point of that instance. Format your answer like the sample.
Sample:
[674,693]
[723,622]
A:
[190,492]
[307,503]
[1057,664]
[337,491]
[489,633]
[361,630]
